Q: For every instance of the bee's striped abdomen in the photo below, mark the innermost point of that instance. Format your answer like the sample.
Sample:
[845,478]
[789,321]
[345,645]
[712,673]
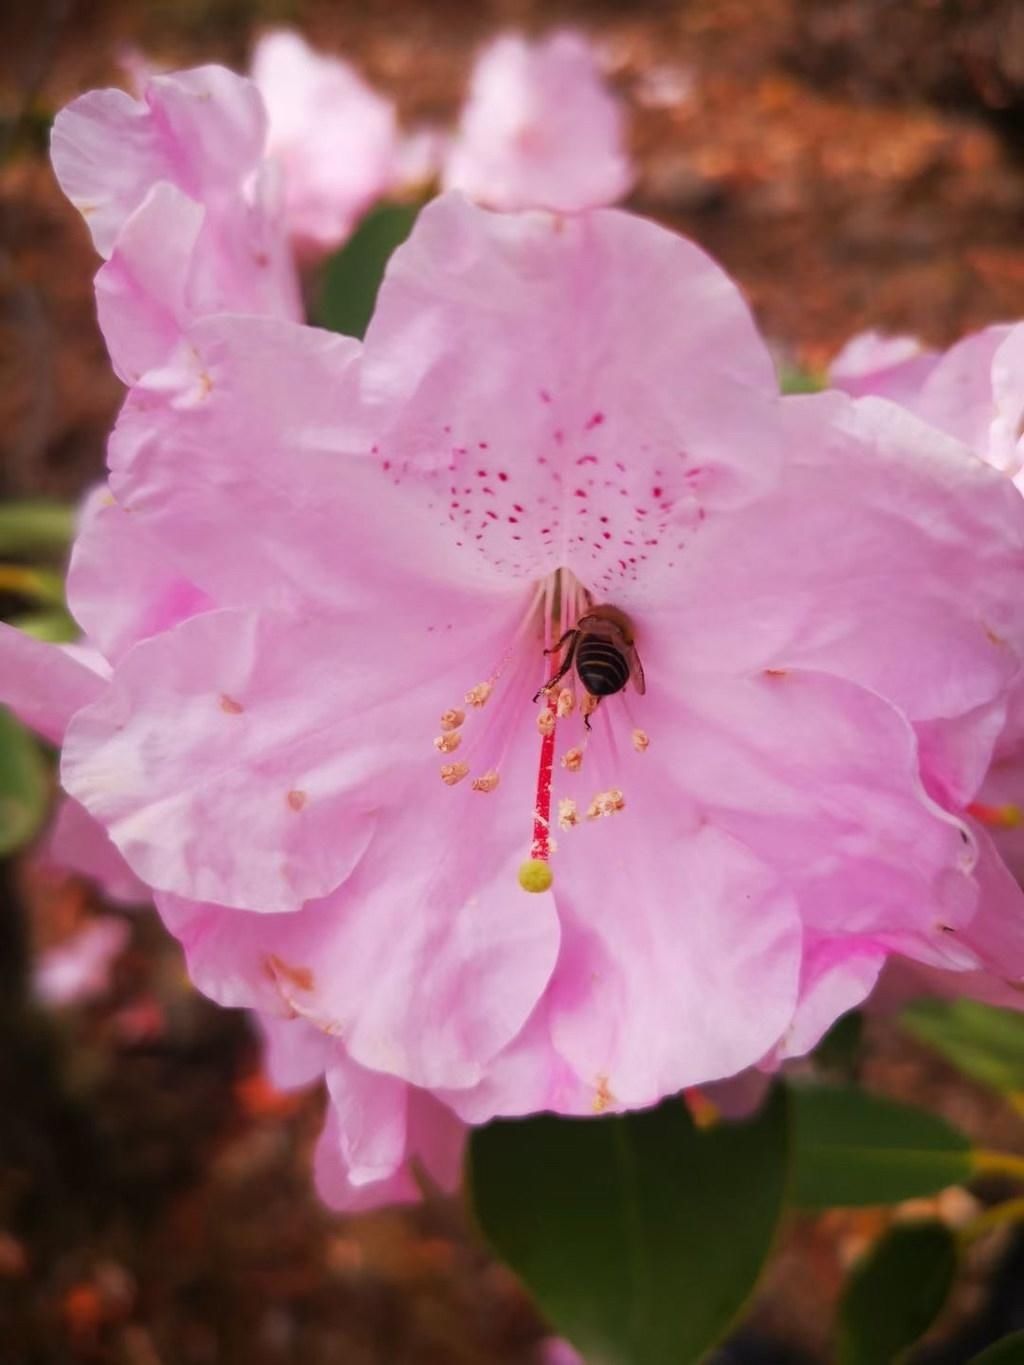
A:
[602,667]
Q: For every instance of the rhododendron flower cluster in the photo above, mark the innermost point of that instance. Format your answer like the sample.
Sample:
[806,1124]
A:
[330,589]
[539,129]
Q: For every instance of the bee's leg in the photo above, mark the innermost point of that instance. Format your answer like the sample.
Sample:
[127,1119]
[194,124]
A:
[556,647]
[586,718]
[570,655]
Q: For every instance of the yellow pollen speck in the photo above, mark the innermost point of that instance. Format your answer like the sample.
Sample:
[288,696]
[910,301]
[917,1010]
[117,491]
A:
[566,703]
[641,742]
[451,720]
[545,721]
[230,706]
[573,760]
[603,1096]
[297,799]
[567,813]
[448,743]
[589,704]
[606,803]
[535,876]
[487,783]
[205,385]
[477,696]
[453,772]
[776,672]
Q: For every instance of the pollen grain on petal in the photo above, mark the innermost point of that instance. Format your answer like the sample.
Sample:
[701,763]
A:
[641,741]
[546,721]
[776,672]
[229,706]
[565,704]
[477,696]
[297,799]
[448,742]
[452,719]
[589,704]
[606,803]
[487,782]
[453,773]
[568,815]
[603,1096]
[572,760]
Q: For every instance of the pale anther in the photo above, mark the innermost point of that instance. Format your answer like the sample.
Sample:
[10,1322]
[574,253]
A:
[545,721]
[487,783]
[477,696]
[453,772]
[566,703]
[606,803]
[448,743]
[451,720]
[573,760]
[568,816]
[640,741]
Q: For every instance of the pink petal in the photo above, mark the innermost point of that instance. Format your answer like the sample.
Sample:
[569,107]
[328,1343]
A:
[43,684]
[121,586]
[78,844]
[838,974]
[659,950]
[540,129]
[912,597]
[820,779]
[201,130]
[420,1130]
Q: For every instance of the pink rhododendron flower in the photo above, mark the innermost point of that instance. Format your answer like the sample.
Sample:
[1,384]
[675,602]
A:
[887,366]
[332,773]
[974,391]
[539,129]
[179,198]
[73,972]
[336,140]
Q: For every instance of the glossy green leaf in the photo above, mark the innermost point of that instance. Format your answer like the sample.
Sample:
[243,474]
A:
[35,529]
[854,1148]
[982,1041]
[1009,1351]
[640,1236]
[895,1293]
[352,276]
[23,785]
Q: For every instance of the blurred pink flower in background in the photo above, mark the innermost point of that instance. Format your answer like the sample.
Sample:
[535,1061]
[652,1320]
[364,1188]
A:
[336,140]
[79,968]
[540,129]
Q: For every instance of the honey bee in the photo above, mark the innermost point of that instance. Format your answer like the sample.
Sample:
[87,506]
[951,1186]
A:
[602,649]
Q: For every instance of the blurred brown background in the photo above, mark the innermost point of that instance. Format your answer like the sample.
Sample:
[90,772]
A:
[854,163]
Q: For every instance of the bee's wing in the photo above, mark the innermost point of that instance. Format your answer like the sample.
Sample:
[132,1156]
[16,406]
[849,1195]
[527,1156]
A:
[636,672]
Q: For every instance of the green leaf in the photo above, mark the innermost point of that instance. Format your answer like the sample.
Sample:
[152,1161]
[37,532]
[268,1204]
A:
[981,1040]
[353,275]
[640,1236]
[23,785]
[896,1292]
[35,529]
[854,1148]
[1008,1351]
[797,379]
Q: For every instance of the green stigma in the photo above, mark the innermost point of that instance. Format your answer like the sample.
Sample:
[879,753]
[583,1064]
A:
[535,875]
